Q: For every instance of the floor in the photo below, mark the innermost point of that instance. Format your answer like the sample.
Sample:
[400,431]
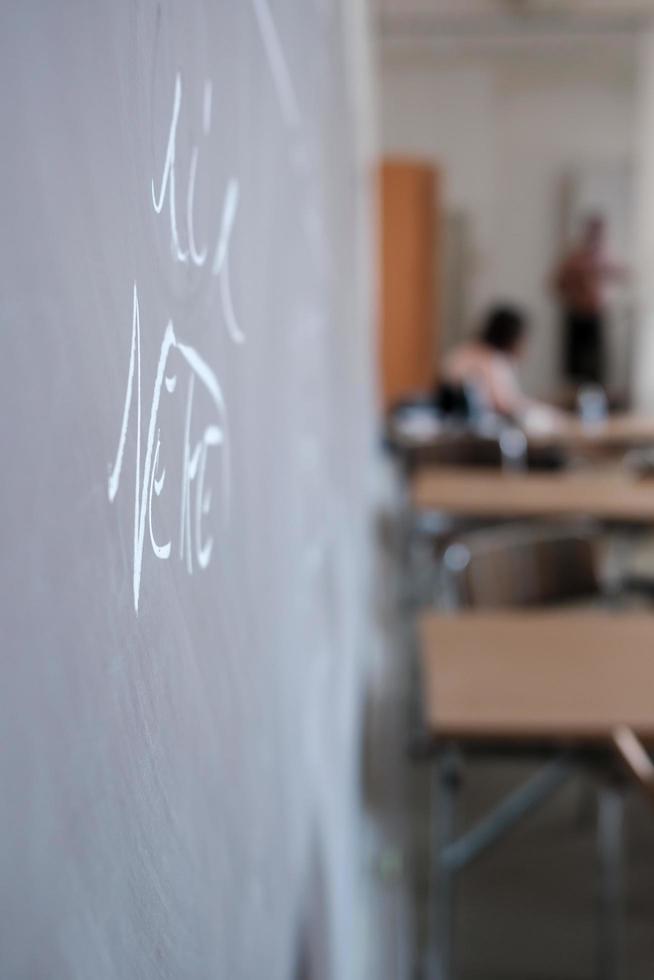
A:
[526,909]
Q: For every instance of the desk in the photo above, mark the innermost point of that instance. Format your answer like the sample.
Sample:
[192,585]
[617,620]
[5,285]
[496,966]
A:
[566,435]
[559,682]
[616,433]
[559,677]
[469,492]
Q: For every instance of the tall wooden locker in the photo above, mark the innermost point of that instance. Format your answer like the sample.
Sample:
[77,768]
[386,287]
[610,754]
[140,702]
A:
[409,252]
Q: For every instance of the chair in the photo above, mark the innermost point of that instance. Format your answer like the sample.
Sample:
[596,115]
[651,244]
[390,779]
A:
[517,565]
[465,447]
[457,449]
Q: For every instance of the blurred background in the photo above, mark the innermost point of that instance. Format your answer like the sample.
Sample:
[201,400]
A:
[516,238]
[528,117]
[516,249]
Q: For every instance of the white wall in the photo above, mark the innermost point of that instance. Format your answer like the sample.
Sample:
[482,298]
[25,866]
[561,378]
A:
[507,123]
[644,364]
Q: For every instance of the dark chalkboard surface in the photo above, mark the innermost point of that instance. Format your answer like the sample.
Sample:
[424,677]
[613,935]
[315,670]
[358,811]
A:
[185,432]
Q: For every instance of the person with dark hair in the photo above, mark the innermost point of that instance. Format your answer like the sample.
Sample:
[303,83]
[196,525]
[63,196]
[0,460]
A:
[485,366]
[504,329]
[579,283]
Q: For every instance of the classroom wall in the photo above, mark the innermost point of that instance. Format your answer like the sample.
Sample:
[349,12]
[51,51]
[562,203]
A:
[644,360]
[507,123]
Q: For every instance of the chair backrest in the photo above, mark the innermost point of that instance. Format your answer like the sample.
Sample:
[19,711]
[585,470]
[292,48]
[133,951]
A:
[513,566]
[471,449]
[458,449]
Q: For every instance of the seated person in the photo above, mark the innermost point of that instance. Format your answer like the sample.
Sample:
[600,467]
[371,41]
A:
[486,366]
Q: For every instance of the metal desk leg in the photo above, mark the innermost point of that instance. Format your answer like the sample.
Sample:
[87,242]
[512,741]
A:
[610,847]
[446,789]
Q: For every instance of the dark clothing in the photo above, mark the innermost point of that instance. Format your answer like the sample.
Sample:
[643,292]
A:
[584,346]
[452,400]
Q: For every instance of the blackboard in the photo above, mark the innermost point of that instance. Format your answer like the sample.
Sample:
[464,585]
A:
[186,435]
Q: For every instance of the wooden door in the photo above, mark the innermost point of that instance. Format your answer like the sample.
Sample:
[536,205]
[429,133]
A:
[409,222]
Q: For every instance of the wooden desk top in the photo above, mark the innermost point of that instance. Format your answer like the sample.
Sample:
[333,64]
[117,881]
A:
[476,492]
[529,676]
[620,431]
[616,433]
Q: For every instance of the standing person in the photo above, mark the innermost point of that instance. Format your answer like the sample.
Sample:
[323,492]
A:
[580,283]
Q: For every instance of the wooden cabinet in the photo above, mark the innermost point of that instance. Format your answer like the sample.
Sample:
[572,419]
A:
[409,216]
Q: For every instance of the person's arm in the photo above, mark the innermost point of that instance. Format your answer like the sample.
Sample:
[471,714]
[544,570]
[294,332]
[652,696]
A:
[503,388]
[509,399]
